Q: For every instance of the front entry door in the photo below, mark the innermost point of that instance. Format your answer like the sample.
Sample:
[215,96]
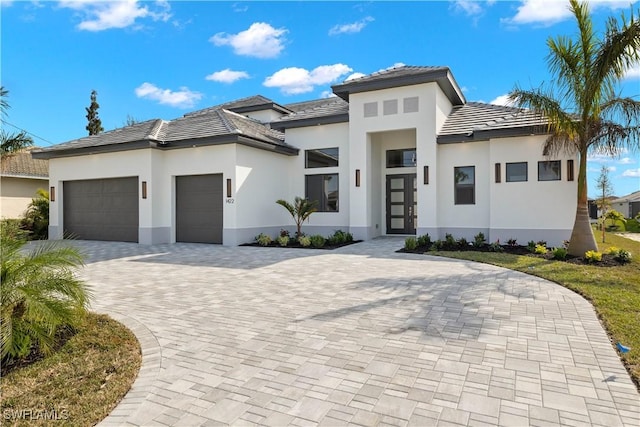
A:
[401,204]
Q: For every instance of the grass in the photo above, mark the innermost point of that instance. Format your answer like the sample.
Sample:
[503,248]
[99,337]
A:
[77,385]
[613,291]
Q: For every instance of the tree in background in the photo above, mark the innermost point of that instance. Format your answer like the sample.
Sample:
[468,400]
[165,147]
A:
[605,190]
[95,124]
[582,107]
[11,142]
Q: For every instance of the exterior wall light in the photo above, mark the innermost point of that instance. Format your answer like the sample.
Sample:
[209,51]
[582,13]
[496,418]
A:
[144,189]
[228,187]
[357,177]
[426,175]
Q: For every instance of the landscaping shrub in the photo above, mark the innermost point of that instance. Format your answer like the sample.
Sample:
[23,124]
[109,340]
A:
[593,256]
[479,240]
[531,246]
[540,249]
[39,294]
[317,241]
[463,244]
[496,247]
[424,241]
[410,243]
[450,244]
[622,256]
[11,228]
[263,239]
[36,218]
[542,243]
[560,254]
[612,250]
[304,241]
[300,211]
[283,240]
[512,242]
[284,232]
[339,237]
[438,245]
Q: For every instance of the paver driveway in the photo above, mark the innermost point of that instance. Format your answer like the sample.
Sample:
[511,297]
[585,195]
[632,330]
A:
[359,335]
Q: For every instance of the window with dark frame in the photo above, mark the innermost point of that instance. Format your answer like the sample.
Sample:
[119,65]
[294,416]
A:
[517,172]
[321,158]
[549,170]
[401,158]
[323,189]
[465,185]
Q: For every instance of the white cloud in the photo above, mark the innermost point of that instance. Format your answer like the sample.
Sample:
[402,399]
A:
[237,7]
[502,100]
[355,27]
[549,12]
[327,94]
[470,8]
[183,98]
[612,168]
[260,40]
[227,76]
[294,80]
[631,173]
[354,76]
[633,73]
[6,3]
[103,15]
[627,161]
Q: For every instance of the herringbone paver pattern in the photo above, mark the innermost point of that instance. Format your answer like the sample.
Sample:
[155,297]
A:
[359,336]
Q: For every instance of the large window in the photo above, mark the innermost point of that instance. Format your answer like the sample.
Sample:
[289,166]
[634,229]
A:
[401,158]
[549,170]
[321,158]
[324,190]
[517,172]
[465,185]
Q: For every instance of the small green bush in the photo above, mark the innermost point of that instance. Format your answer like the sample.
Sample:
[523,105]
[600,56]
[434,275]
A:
[283,240]
[317,241]
[560,254]
[496,247]
[339,237]
[410,243]
[622,256]
[512,242]
[438,245]
[36,218]
[424,241]
[304,241]
[263,239]
[540,249]
[11,229]
[463,244]
[593,256]
[479,240]
[531,246]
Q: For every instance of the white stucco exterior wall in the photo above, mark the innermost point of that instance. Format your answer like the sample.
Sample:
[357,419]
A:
[16,194]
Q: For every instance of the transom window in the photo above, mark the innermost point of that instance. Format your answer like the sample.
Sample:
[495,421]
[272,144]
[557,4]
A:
[517,172]
[401,158]
[549,170]
[321,158]
[465,185]
[323,189]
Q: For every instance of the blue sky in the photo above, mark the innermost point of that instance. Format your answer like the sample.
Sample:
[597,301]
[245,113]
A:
[159,59]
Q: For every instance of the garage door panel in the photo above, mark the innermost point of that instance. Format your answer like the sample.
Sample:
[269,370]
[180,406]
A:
[199,200]
[102,209]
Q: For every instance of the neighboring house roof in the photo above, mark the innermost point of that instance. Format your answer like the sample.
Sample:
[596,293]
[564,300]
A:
[22,165]
[403,76]
[477,121]
[309,113]
[215,126]
[633,197]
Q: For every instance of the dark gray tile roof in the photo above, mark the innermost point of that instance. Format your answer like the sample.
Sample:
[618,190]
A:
[21,164]
[250,103]
[317,108]
[405,75]
[474,118]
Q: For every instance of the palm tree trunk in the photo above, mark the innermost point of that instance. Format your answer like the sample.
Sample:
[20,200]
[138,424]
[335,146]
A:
[582,239]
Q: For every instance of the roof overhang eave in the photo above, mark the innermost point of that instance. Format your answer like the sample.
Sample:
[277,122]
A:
[311,121]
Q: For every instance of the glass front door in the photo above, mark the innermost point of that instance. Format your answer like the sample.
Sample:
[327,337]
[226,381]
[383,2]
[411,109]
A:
[401,204]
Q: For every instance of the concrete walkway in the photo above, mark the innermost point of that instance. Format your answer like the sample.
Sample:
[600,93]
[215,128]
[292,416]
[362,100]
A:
[360,335]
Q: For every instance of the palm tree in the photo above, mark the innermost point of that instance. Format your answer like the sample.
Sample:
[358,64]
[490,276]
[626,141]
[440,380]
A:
[39,292]
[9,142]
[583,110]
[300,211]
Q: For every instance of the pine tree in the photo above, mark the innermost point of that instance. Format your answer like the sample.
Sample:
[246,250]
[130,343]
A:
[95,124]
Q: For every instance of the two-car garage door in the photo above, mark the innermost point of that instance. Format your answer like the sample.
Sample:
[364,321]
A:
[108,209]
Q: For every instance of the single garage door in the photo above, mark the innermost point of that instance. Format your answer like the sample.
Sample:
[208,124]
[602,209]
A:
[199,208]
[102,209]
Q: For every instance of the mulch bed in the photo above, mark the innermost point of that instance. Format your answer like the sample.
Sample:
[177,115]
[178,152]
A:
[607,260]
[297,245]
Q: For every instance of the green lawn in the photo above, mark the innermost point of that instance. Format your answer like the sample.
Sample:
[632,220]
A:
[613,291]
[79,384]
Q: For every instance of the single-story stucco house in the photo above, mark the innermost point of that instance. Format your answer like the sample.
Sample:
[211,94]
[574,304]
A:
[398,152]
[628,205]
[21,177]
